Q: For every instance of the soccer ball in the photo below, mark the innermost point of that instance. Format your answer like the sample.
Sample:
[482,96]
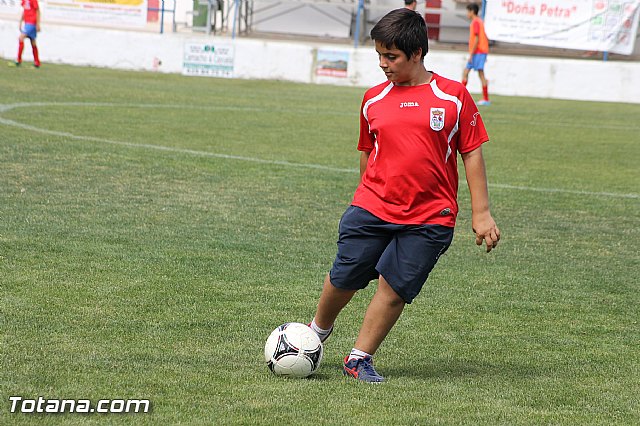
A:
[294,350]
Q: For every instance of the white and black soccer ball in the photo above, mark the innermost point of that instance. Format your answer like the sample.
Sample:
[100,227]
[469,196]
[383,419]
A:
[294,350]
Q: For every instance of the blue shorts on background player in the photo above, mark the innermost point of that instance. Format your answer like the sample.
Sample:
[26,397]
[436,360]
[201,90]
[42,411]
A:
[30,31]
[477,62]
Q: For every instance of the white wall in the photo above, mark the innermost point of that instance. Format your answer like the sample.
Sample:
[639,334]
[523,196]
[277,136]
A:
[262,59]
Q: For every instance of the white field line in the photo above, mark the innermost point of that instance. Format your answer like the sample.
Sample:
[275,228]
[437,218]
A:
[7,122]
[564,191]
[575,125]
[170,149]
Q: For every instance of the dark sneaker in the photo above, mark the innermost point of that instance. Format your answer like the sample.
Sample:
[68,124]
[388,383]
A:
[326,336]
[362,369]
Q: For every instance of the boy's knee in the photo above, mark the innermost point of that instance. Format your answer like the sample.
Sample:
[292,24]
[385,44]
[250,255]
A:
[396,301]
[389,295]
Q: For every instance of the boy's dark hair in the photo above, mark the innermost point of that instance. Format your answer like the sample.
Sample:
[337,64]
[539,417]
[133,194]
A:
[474,8]
[408,2]
[403,29]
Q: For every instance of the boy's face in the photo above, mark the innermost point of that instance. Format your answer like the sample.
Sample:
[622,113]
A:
[395,64]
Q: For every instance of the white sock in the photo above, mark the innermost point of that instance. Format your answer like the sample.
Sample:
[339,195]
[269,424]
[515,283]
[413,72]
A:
[321,332]
[357,354]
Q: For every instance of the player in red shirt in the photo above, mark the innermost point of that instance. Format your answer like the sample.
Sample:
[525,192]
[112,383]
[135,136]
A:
[31,19]
[403,213]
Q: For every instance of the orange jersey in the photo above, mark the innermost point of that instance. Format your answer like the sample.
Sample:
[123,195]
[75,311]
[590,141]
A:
[476,29]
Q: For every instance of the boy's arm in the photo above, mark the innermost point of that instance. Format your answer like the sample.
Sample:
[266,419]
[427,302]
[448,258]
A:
[364,159]
[476,40]
[473,48]
[38,19]
[482,222]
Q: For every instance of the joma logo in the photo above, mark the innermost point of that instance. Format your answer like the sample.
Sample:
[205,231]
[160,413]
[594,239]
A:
[408,104]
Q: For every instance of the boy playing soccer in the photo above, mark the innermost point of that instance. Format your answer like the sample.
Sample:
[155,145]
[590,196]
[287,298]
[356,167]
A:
[31,19]
[403,212]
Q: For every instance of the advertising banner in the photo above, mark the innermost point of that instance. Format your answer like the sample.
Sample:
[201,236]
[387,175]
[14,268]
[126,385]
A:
[332,63]
[119,13]
[116,13]
[11,7]
[599,25]
[208,59]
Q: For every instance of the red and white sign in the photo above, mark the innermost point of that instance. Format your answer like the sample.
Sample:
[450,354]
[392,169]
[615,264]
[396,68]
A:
[601,25]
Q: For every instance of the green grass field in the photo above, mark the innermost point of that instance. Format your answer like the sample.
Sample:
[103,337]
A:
[155,228]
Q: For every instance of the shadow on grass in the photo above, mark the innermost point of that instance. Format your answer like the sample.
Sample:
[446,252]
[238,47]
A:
[435,369]
[460,368]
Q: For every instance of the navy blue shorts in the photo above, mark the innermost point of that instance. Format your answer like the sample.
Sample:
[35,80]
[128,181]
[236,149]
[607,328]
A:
[403,254]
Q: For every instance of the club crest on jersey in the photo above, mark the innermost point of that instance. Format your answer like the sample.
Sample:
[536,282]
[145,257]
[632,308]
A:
[437,119]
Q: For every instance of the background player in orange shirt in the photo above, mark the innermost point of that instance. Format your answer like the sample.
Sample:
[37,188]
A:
[478,50]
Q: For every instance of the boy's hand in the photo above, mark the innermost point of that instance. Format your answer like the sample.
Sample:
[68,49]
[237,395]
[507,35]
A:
[486,229]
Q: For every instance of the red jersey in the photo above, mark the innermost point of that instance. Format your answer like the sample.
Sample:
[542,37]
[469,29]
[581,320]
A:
[31,8]
[413,135]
